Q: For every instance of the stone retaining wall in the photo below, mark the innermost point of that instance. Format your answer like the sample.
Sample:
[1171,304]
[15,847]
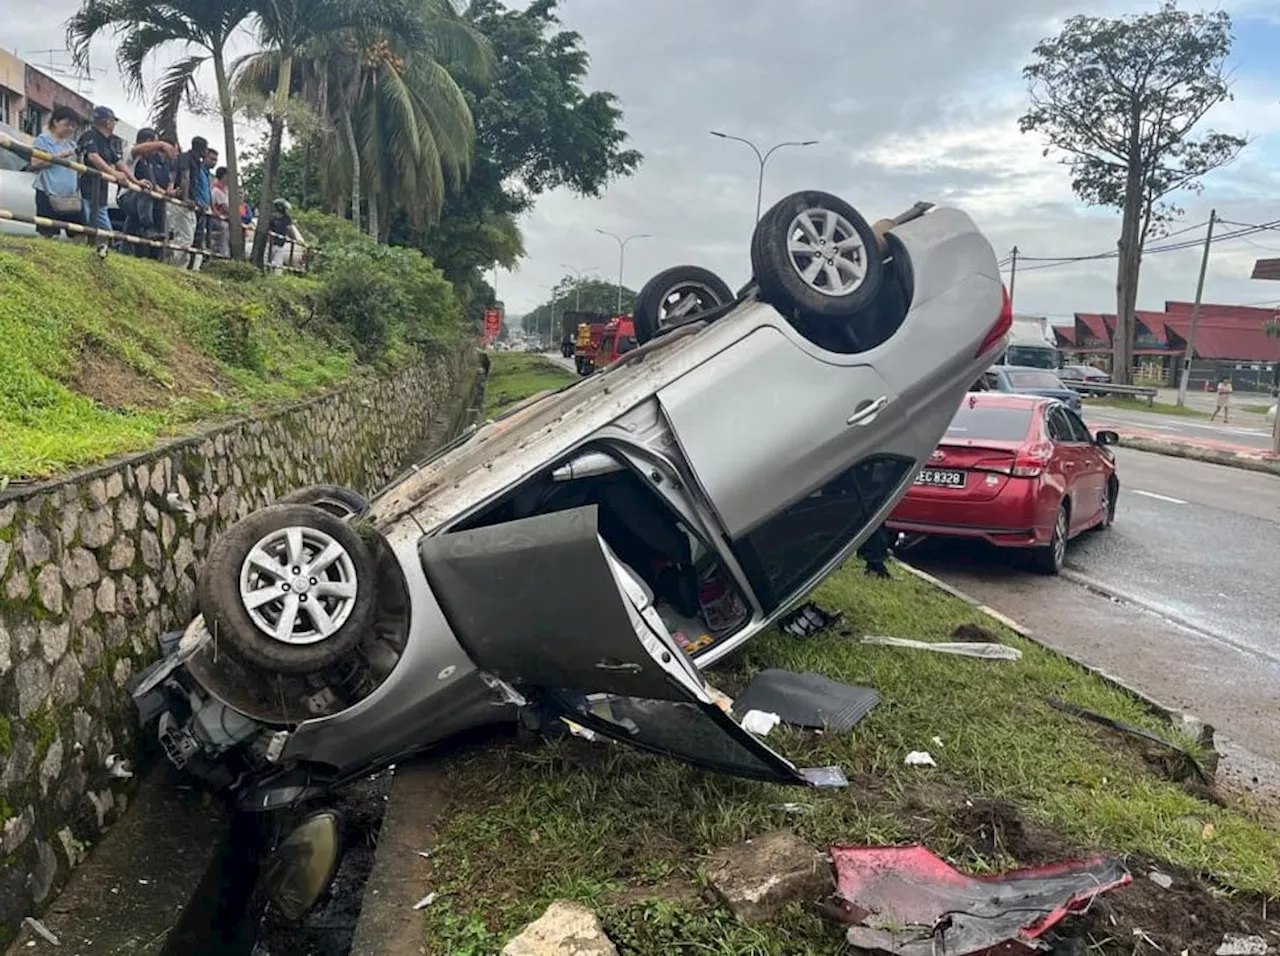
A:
[95,567]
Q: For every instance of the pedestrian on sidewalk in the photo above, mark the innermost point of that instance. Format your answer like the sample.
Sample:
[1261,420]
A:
[1224,401]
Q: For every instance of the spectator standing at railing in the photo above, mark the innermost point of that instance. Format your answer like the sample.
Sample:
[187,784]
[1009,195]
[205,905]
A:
[182,219]
[102,149]
[57,188]
[281,230]
[146,214]
[219,229]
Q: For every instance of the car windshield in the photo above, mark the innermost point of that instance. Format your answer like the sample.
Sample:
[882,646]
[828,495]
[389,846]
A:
[1032,355]
[1034,380]
[990,422]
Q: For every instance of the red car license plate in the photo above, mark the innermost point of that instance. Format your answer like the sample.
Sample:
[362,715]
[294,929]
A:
[940,478]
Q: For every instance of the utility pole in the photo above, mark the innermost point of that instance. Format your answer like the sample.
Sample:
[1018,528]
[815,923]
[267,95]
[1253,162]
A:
[1185,378]
[763,159]
[551,322]
[1013,275]
[622,256]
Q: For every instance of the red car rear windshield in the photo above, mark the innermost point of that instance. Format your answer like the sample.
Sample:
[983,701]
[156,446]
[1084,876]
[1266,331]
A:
[990,422]
[1034,380]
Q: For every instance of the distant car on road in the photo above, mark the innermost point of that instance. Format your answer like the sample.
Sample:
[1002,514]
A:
[1025,380]
[1083,373]
[1016,471]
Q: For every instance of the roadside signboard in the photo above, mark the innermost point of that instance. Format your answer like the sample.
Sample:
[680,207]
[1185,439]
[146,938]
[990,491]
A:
[492,326]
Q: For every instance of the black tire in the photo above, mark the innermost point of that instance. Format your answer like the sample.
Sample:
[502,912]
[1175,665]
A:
[1050,558]
[701,291]
[338,501]
[1109,512]
[229,620]
[782,285]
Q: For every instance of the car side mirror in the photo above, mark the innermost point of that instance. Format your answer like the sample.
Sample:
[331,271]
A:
[300,870]
[1107,438]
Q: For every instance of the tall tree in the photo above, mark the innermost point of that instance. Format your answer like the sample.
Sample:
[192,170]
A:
[536,129]
[286,28]
[595,295]
[1122,98]
[397,128]
[143,28]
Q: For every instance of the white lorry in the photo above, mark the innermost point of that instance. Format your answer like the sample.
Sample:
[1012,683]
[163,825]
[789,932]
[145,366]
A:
[1031,343]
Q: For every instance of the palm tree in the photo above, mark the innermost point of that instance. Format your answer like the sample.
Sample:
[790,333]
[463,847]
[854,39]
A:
[142,28]
[286,28]
[404,127]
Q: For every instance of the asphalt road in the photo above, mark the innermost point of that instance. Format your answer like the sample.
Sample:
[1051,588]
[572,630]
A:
[1245,429]
[1181,598]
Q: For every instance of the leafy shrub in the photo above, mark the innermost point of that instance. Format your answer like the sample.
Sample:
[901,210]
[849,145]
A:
[365,303]
[231,270]
[388,298]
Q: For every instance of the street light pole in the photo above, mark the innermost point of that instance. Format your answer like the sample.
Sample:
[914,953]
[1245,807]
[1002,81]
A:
[622,256]
[763,158]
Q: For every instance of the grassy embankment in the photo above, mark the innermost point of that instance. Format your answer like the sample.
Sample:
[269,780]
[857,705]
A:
[1017,782]
[98,358]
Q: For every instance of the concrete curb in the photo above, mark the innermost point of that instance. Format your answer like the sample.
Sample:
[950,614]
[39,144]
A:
[1171,714]
[1215,456]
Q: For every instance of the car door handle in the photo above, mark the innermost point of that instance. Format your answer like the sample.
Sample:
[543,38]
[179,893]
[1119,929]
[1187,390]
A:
[867,414]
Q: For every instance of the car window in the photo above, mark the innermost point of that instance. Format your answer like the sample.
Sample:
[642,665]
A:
[1071,373]
[1034,380]
[1059,428]
[626,344]
[991,381]
[1079,430]
[787,551]
[991,422]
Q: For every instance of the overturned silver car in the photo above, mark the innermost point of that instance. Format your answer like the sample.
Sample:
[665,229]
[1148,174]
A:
[587,555]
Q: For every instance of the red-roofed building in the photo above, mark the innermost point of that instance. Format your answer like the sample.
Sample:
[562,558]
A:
[1230,339]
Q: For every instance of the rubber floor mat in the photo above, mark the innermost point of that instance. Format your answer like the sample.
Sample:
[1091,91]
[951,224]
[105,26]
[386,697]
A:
[807,700]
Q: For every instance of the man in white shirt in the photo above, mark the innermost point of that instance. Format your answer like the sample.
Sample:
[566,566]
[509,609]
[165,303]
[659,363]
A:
[219,230]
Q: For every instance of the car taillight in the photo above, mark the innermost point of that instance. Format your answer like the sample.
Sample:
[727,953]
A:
[1032,460]
[1003,324]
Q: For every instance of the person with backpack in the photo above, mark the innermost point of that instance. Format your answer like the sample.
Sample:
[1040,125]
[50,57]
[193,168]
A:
[101,149]
[145,215]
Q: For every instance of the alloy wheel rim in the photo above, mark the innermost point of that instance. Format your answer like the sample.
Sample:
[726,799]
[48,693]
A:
[298,585]
[1060,539]
[826,252]
[684,300]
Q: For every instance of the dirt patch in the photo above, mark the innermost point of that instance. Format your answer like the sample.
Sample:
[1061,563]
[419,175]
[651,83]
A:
[1188,916]
[678,892]
[113,383]
[974,634]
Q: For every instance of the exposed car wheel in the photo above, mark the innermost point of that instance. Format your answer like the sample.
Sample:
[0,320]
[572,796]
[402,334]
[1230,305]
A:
[289,589]
[1050,558]
[678,293]
[338,501]
[815,255]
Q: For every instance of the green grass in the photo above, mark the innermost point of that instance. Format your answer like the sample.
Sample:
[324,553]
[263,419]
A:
[1140,405]
[533,822]
[104,357]
[1255,409]
[514,376]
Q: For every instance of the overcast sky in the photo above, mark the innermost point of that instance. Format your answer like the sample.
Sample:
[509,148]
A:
[913,100]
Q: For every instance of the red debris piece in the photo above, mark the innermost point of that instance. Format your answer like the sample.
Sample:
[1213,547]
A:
[909,902]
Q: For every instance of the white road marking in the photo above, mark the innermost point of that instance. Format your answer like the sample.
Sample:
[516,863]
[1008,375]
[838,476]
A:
[1152,494]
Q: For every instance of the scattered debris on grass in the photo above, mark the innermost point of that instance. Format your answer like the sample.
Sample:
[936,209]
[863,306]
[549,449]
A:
[920,758]
[566,927]
[807,700]
[1234,944]
[990,652]
[759,878]
[909,901]
[808,620]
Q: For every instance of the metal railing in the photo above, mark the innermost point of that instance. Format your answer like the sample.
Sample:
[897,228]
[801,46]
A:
[30,153]
[1111,388]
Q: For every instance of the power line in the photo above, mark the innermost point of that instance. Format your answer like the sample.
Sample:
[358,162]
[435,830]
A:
[1247,230]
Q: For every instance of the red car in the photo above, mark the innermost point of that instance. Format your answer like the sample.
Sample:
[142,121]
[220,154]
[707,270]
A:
[1016,471]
